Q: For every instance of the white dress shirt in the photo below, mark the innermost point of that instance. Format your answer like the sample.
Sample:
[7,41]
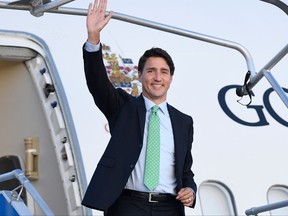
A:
[167,179]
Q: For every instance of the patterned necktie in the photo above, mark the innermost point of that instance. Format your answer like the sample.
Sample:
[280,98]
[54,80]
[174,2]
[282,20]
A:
[151,175]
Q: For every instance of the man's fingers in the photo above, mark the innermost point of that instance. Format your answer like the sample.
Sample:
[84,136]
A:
[108,17]
[186,196]
[188,202]
[95,6]
[89,8]
[103,5]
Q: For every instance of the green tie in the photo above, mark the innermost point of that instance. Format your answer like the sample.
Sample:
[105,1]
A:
[151,175]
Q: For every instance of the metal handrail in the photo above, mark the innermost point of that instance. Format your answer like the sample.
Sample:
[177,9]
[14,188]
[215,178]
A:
[268,66]
[18,174]
[264,208]
[190,34]
[265,71]
[153,25]
[51,5]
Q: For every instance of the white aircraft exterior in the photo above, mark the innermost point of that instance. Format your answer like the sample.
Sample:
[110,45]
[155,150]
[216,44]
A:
[240,152]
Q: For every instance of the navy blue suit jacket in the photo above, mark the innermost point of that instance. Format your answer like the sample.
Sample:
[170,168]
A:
[122,112]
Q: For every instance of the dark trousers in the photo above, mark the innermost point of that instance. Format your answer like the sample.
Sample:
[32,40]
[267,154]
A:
[132,206]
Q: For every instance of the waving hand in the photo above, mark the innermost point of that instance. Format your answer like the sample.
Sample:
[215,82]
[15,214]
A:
[96,20]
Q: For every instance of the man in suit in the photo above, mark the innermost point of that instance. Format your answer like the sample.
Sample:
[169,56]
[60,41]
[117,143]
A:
[117,186]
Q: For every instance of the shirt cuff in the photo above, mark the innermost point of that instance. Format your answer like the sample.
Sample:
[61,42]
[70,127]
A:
[91,47]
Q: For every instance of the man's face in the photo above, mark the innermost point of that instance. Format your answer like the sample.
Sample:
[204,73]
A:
[155,79]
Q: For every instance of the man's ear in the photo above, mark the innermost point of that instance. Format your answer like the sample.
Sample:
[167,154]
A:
[139,75]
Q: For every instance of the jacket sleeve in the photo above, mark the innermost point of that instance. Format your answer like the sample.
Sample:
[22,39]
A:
[105,96]
[188,175]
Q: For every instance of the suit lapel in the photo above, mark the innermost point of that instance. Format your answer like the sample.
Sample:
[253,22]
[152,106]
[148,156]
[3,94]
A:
[179,148]
[141,113]
[175,124]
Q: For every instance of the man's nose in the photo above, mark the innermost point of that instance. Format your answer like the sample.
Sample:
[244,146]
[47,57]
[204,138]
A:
[157,75]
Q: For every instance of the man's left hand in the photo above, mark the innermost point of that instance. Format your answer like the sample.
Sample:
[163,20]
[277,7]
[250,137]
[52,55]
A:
[186,196]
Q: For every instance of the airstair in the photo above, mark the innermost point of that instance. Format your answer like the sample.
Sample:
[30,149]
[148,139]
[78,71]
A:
[11,202]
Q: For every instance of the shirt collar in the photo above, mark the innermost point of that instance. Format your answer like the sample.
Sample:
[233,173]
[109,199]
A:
[149,104]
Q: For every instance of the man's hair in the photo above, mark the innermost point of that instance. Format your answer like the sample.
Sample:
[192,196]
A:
[156,52]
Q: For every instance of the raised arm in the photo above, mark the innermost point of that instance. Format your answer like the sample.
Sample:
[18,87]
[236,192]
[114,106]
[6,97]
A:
[96,20]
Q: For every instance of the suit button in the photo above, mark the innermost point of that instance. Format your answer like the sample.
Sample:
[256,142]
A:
[131,166]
